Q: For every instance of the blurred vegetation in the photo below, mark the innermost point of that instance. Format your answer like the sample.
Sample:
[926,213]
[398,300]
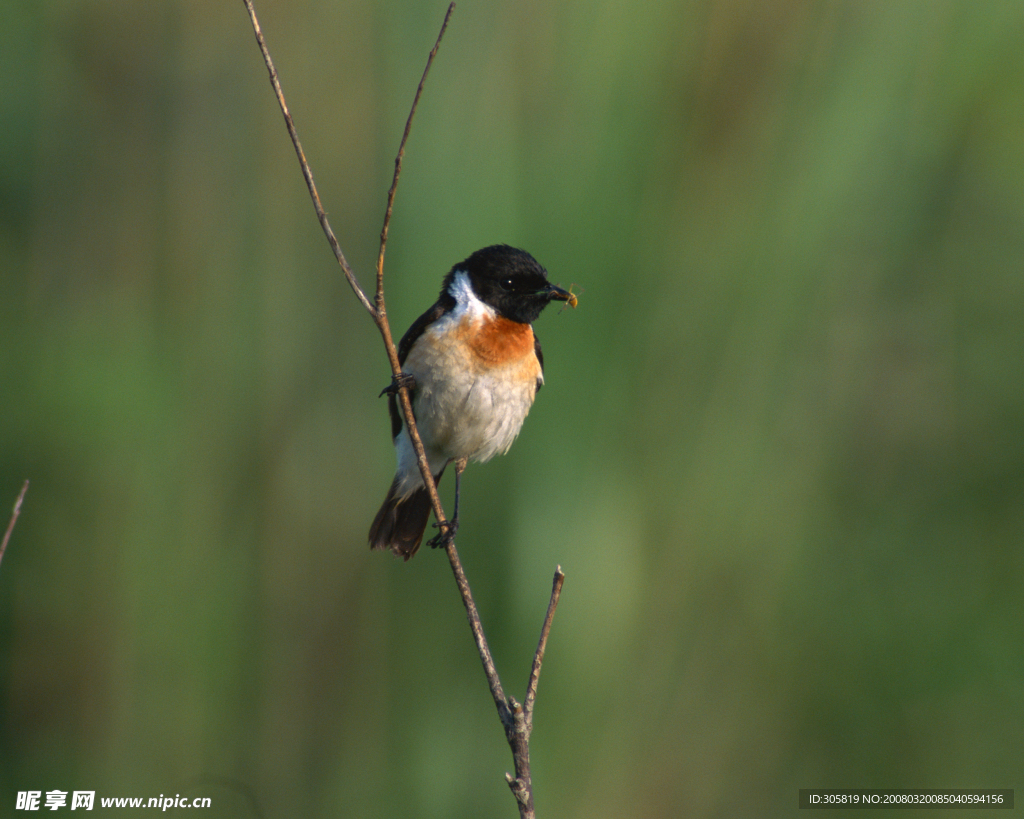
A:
[779,455]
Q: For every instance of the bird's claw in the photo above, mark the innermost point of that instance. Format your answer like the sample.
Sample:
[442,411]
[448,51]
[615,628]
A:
[446,536]
[406,380]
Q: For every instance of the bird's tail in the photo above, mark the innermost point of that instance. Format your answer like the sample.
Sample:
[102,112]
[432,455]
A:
[400,523]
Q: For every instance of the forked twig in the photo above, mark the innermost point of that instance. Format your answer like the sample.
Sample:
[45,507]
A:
[377,312]
[515,718]
[519,724]
[14,519]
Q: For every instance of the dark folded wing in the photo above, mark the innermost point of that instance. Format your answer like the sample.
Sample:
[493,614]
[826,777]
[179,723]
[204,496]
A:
[405,345]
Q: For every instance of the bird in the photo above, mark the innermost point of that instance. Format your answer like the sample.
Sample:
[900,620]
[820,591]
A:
[473,365]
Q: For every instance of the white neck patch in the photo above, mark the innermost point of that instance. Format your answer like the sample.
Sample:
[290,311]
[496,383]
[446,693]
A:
[466,301]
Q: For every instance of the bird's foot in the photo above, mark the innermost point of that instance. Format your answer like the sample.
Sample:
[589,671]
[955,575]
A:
[446,536]
[406,380]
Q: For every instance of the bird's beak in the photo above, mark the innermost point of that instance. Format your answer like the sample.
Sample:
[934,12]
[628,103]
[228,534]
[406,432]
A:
[556,293]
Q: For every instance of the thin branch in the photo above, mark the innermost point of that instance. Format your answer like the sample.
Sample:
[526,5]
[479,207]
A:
[379,298]
[306,172]
[520,717]
[517,720]
[404,400]
[538,657]
[476,626]
[379,316]
[14,519]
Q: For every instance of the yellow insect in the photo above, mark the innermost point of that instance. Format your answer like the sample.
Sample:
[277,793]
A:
[572,301]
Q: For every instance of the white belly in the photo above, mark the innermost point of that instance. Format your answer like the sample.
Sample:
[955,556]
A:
[475,416]
[463,410]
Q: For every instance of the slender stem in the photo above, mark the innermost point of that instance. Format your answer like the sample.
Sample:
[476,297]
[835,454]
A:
[378,314]
[476,626]
[538,657]
[14,519]
[379,297]
[381,315]
[520,722]
[515,718]
[306,172]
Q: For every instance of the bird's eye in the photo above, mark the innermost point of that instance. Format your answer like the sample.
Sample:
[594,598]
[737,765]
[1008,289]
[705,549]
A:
[508,284]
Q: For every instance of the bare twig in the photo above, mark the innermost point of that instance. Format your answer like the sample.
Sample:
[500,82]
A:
[379,299]
[14,519]
[378,312]
[519,723]
[306,172]
[538,657]
[477,628]
[515,718]
[381,315]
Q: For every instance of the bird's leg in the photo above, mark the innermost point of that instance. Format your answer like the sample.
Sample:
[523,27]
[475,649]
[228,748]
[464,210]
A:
[448,530]
[453,524]
[407,380]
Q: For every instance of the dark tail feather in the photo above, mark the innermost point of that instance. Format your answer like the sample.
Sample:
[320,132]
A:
[400,524]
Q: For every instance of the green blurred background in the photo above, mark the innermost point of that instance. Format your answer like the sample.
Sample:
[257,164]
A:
[779,455]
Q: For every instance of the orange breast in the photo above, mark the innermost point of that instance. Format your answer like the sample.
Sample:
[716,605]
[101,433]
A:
[501,341]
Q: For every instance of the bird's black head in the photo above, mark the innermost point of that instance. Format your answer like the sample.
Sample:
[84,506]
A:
[509,280]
